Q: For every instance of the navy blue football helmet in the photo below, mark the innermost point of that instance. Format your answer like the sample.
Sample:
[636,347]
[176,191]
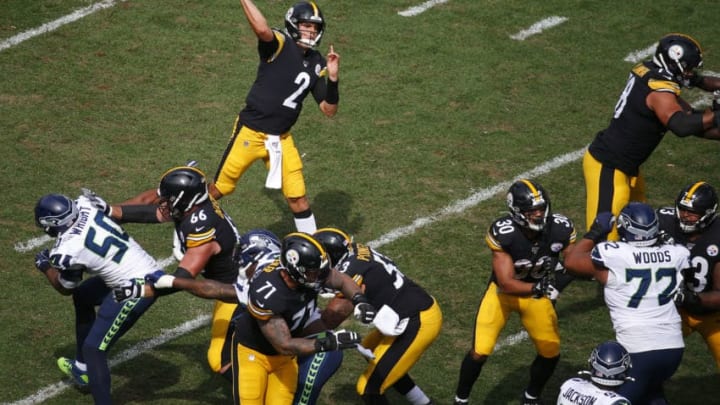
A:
[305,260]
[254,244]
[337,243]
[304,11]
[55,213]
[679,55]
[638,224]
[699,198]
[609,364]
[525,196]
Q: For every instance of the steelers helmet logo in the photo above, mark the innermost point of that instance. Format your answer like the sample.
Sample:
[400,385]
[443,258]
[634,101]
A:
[292,257]
[676,52]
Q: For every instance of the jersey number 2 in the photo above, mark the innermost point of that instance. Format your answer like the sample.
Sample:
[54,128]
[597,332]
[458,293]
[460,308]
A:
[303,81]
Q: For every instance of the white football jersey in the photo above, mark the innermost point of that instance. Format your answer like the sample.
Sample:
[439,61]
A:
[102,247]
[578,391]
[639,291]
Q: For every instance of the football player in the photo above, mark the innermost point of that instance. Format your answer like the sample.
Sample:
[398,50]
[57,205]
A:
[290,69]
[526,246]
[649,105]
[89,242]
[692,223]
[407,323]
[608,368]
[282,298]
[640,275]
[258,248]
[207,238]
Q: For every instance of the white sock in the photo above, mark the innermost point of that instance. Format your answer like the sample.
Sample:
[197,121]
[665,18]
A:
[306,225]
[417,397]
[461,400]
[81,366]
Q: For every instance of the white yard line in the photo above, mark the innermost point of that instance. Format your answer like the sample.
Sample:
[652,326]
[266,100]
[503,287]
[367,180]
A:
[538,27]
[413,11]
[53,25]
[641,54]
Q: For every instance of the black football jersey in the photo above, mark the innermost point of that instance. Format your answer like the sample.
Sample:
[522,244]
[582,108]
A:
[384,283]
[270,296]
[704,251]
[634,131]
[285,76]
[207,223]
[529,254]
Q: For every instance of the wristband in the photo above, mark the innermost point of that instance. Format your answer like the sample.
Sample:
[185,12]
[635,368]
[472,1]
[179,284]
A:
[332,95]
[165,281]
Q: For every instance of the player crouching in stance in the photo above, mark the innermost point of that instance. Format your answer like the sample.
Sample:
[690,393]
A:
[526,246]
[281,315]
[609,365]
[407,323]
[88,241]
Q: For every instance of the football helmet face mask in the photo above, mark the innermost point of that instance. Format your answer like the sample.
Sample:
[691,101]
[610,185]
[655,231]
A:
[304,12]
[638,224]
[55,213]
[529,204]
[305,259]
[254,244]
[609,364]
[699,198]
[337,244]
[180,190]
[679,55]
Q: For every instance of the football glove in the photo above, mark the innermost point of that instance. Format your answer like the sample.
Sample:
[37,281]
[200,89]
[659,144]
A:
[97,201]
[336,340]
[364,311]
[42,260]
[131,289]
[601,227]
[666,238]
[687,298]
[545,288]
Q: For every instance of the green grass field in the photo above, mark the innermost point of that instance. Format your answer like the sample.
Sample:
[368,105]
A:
[435,110]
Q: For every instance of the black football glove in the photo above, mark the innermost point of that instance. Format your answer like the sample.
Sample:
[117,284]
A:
[131,289]
[601,227]
[686,298]
[364,311]
[545,288]
[42,261]
[336,340]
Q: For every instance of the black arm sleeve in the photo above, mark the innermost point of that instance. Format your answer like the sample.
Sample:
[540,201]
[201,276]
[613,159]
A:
[144,214]
[683,124]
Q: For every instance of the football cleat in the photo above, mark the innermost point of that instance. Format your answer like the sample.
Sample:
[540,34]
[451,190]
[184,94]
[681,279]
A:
[525,400]
[68,367]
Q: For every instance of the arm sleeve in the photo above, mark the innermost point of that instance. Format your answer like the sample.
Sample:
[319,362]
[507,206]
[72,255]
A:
[682,124]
